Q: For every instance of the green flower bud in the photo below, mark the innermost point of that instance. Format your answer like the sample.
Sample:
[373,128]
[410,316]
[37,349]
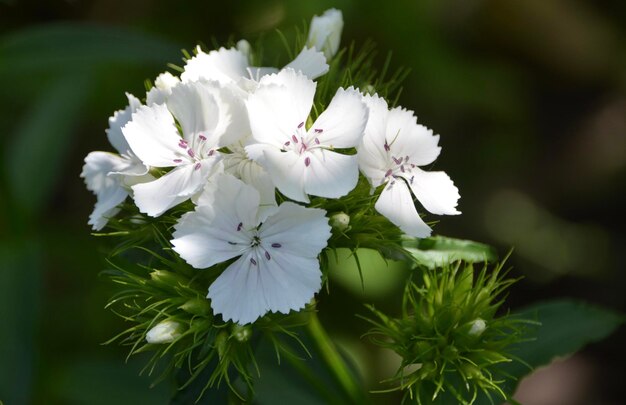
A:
[242,333]
[197,306]
[340,221]
[168,278]
[221,341]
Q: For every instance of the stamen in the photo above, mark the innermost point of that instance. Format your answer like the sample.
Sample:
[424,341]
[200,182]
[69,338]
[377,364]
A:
[307,161]
[406,158]
[402,168]
[197,166]
[276,245]
[232,243]
[386,147]
[411,181]
[182,145]
[191,153]
[202,137]
[398,161]
[294,139]
[267,255]
[253,261]
[319,130]
[178,160]
[413,166]
[317,141]
[388,173]
[300,125]
[211,152]
[239,226]
[287,143]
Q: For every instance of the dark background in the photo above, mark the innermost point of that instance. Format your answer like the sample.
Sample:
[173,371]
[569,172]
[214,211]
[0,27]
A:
[529,98]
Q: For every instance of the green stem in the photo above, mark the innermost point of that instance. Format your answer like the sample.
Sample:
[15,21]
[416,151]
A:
[333,360]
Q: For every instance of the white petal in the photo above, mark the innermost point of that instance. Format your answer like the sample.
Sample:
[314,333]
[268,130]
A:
[118,120]
[373,159]
[162,88]
[436,192]
[310,63]
[223,65]
[408,138]
[396,203]
[325,32]
[330,174]
[279,106]
[199,111]
[109,190]
[97,167]
[153,137]
[156,197]
[202,239]
[286,170]
[107,206]
[254,285]
[297,230]
[343,122]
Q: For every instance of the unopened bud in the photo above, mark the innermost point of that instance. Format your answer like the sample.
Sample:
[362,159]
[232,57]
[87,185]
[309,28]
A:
[168,278]
[477,328]
[325,32]
[244,47]
[164,332]
[241,333]
[340,221]
[197,306]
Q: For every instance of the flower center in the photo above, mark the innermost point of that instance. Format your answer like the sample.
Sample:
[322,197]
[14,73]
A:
[191,155]
[302,141]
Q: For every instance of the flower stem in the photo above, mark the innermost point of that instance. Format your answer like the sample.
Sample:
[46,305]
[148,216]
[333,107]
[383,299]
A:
[333,360]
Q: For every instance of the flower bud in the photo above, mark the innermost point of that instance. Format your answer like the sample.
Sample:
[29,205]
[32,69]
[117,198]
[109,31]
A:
[164,332]
[197,306]
[242,333]
[168,278]
[340,221]
[244,47]
[325,32]
[477,328]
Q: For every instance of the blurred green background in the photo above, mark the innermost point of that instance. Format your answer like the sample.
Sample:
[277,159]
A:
[529,98]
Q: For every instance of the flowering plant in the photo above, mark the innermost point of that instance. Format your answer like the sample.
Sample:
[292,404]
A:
[232,187]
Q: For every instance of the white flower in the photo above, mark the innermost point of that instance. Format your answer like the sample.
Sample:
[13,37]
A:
[301,161]
[164,332]
[109,175]
[393,148]
[210,118]
[325,32]
[163,85]
[276,269]
[232,66]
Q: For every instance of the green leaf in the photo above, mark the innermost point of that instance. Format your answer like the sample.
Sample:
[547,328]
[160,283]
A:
[41,141]
[64,46]
[566,327]
[438,250]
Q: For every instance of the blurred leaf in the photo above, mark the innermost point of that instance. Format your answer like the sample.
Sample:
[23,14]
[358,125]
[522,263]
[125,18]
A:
[41,142]
[20,303]
[92,381]
[64,47]
[380,276]
[437,250]
[566,327]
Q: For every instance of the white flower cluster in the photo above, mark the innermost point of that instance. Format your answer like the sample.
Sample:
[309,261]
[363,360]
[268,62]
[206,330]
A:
[226,135]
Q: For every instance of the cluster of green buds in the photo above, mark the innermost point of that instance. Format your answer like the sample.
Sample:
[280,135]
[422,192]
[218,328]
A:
[450,336]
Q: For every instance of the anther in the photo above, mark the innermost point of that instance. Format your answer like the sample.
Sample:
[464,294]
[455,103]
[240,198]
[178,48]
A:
[202,137]
[232,243]
[253,261]
[402,168]
[287,143]
[388,173]
[398,161]
[267,256]
[294,139]
[239,227]
[387,147]
[307,161]
[211,152]
[276,245]
[197,166]
[319,130]
[317,141]
[301,125]
[191,153]
[178,160]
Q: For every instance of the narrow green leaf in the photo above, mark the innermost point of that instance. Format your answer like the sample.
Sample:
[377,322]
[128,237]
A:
[438,250]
